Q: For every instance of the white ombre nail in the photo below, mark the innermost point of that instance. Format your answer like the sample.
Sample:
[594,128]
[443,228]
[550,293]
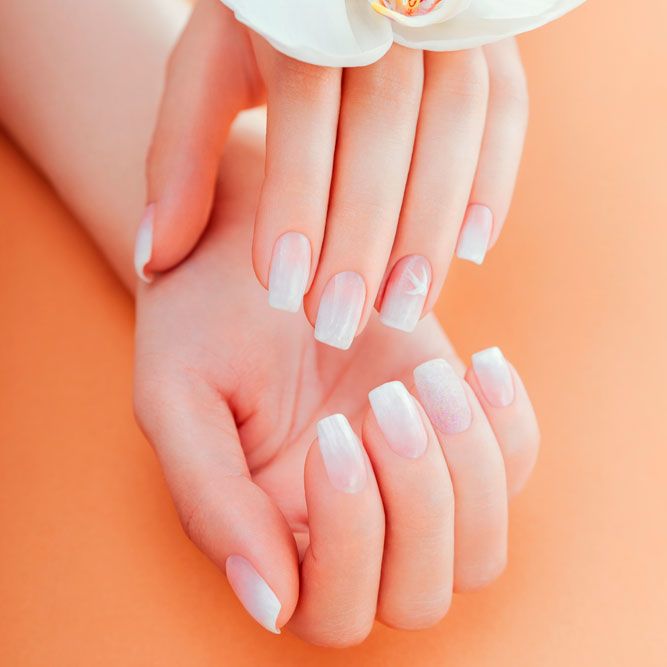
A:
[495,378]
[398,418]
[290,269]
[143,245]
[253,592]
[475,234]
[340,310]
[405,293]
[443,396]
[342,454]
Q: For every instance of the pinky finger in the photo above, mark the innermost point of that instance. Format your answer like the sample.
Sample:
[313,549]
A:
[500,155]
[504,399]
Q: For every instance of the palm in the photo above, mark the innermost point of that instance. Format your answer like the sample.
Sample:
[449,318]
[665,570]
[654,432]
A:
[209,321]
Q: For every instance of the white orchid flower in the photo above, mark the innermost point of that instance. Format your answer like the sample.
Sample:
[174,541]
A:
[350,33]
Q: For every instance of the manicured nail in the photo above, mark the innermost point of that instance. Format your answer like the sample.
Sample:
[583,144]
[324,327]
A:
[443,396]
[342,454]
[398,419]
[143,245]
[340,310]
[290,268]
[405,293]
[475,234]
[495,378]
[253,592]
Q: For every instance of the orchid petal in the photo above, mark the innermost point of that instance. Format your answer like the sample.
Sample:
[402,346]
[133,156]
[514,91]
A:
[334,33]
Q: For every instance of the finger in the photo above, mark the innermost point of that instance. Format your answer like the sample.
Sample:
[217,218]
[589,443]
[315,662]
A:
[223,512]
[418,561]
[303,104]
[500,155]
[477,471]
[204,90]
[340,573]
[503,397]
[378,116]
[449,134]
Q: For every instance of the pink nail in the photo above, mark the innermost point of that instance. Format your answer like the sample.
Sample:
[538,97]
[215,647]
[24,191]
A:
[475,234]
[342,454]
[143,245]
[443,396]
[495,378]
[290,269]
[398,419]
[340,310]
[405,293]
[253,592]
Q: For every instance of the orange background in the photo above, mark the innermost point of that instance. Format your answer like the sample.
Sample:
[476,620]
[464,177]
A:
[94,568]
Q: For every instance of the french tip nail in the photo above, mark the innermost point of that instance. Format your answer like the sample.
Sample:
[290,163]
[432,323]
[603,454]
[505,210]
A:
[340,310]
[254,593]
[342,454]
[405,293]
[289,272]
[475,234]
[143,246]
[494,376]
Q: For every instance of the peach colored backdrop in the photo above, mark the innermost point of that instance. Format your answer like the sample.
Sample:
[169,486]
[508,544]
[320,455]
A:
[94,568]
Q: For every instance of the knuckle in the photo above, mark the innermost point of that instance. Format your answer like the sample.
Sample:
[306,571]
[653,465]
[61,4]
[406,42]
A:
[341,633]
[510,90]
[466,80]
[421,611]
[297,80]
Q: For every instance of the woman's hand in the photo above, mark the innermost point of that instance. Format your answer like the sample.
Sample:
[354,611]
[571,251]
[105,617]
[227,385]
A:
[372,177]
[230,392]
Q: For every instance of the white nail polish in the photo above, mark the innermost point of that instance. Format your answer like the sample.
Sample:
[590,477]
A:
[143,246]
[443,396]
[290,269]
[495,378]
[475,234]
[405,293]
[342,454]
[253,592]
[398,418]
[340,310]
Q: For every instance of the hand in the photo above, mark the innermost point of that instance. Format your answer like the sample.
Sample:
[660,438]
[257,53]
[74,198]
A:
[229,392]
[373,174]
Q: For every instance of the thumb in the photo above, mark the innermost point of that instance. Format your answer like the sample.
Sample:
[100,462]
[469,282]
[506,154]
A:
[231,519]
[209,79]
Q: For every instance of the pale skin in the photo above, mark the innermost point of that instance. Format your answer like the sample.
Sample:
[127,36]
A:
[372,164]
[228,391]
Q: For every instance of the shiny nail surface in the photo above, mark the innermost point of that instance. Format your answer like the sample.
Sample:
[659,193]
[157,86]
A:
[253,592]
[495,378]
[340,310]
[143,244]
[290,269]
[443,396]
[405,293]
[475,234]
[342,454]
[399,420]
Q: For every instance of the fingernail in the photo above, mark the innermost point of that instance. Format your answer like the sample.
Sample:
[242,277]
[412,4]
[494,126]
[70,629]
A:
[342,454]
[405,293]
[340,310]
[290,268]
[398,419]
[443,396]
[495,378]
[253,592]
[143,245]
[475,234]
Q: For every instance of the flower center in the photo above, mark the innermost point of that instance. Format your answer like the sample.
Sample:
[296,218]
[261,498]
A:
[407,7]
